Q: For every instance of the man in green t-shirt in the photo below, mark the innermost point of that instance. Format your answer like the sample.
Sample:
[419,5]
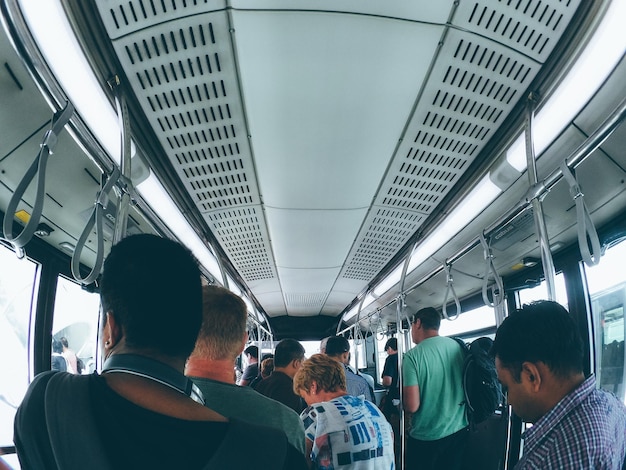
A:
[433,391]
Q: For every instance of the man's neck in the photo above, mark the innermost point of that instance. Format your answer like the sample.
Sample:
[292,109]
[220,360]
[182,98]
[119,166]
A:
[285,370]
[221,370]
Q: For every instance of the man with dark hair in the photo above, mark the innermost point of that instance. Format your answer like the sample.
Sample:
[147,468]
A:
[288,357]
[539,360]
[140,412]
[252,370]
[432,375]
[338,348]
[58,362]
[211,364]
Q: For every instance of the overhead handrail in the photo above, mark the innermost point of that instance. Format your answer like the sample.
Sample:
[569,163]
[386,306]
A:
[586,228]
[490,269]
[582,152]
[37,168]
[450,289]
[96,218]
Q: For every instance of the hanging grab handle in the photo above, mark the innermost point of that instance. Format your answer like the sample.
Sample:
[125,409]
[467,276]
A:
[585,224]
[102,199]
[38,167]
[490,269]
[450,288]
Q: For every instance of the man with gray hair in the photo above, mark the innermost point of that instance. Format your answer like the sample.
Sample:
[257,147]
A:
[211,367]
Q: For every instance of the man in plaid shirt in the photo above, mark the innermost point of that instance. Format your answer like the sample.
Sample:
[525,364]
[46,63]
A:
[539,359]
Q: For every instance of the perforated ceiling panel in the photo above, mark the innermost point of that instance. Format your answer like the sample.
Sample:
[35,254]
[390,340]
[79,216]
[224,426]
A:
[180,57]
[475,82]
[182,70]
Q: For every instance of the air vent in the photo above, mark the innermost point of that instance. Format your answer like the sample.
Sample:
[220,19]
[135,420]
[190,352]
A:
[309,300]
[242,234]
[184,77]
[531,27]
[388,230]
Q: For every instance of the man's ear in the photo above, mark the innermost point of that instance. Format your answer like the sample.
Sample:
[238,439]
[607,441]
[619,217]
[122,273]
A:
[111,331]
[245,340]
[532,375]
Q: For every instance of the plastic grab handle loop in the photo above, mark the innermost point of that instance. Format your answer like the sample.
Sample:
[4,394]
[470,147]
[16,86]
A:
[38,167]
[585,224]
[490,269]
[450,288]
[102,199]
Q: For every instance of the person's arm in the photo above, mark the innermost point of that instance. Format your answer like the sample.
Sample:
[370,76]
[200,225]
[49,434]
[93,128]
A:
[309,449]
[411,398]
[387,380]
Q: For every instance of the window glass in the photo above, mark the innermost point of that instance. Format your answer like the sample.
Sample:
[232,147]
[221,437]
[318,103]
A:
[472,320]
[607,288]
[75,323]
[18,279]
[540,292]
[357,350]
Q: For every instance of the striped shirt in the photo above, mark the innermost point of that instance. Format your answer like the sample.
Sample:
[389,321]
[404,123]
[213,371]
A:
[585,430]
[356,385]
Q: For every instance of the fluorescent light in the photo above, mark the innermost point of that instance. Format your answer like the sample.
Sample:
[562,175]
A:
[154,193]
[604,50]
[57,42]
[369,298]
[232,285]
[391,280]
[480,197]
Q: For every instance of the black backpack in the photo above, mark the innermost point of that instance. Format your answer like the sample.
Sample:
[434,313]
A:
[483,392]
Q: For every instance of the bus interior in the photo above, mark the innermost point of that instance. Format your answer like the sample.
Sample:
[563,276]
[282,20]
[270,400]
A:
[337,165]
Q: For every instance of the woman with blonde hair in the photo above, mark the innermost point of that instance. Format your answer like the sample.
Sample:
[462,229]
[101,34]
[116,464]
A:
[342,431]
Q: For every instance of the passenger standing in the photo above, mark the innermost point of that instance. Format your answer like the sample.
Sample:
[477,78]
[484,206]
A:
[338,348]
[390,378]
[140,412]
[211,364]
[70,356]
[288,357]
[433,391]
[267,367]
[391,405]
[252,370]
[539,359]
[342,431]
[58,362]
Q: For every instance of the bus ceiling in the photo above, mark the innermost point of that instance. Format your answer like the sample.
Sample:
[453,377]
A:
[305,153]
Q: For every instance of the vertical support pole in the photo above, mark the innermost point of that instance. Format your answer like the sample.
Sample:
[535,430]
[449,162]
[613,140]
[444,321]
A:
[121,217]
[540,222]
[401,349]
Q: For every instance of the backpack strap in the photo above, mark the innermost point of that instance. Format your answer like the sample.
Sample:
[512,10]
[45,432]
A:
[71,428]
[264,448]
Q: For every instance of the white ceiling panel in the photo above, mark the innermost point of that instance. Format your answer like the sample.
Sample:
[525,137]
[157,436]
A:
[298,281]
[314,239]
[416,10]
[326,110]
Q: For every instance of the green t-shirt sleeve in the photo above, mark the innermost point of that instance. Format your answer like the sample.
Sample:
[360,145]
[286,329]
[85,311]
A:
[409,371]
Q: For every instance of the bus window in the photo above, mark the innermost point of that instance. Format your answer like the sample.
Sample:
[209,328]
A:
[607,288]
[480,318]
[362,354]
[540,292]
[76,320]
[18,279]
